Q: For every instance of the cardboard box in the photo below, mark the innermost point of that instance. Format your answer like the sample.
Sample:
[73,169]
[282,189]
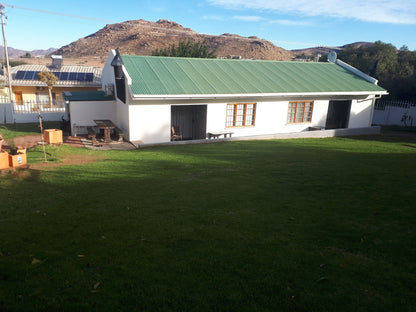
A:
[4,160]
[53,136]
[17,160]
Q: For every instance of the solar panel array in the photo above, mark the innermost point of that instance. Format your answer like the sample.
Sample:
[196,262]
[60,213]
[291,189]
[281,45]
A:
[62,76]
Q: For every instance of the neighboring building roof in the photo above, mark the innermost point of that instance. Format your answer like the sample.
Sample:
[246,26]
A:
[75,96]
[152,75]
[68,75]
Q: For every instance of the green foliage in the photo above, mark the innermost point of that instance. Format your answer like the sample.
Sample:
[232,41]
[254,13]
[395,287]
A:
[16,63]
[27,55]
[395,69]
[189,48]
[47,77]
[50,79]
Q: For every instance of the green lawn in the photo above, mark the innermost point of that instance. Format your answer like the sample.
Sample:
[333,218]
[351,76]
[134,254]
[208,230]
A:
[278,225]
[11,131]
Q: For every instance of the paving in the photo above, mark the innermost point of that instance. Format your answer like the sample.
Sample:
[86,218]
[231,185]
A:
[117,146]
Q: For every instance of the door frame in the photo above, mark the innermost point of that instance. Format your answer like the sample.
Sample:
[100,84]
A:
[338,114]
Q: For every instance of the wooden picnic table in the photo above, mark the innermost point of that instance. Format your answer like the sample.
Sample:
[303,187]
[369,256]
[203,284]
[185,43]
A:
[106,125]
[217,134]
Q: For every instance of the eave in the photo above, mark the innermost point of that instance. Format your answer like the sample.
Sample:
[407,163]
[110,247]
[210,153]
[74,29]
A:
[260,96]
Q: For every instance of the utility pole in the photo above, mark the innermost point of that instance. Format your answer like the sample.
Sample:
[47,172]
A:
[9,74]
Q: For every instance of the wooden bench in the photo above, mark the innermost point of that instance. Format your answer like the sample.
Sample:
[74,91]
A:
[92,135]
[217,134]
[119,134]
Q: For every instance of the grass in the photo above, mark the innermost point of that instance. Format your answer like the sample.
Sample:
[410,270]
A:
[279,225]
[11,131]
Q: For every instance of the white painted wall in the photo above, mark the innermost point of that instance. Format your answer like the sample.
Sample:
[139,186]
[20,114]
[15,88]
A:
[149,123]
[122,117]
[6,113]
[393,115]
[83,114]
[271,118]
[108,71]
[361,113]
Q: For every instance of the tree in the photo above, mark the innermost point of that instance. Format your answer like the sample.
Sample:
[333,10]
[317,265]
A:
[27,55]
[189,48]
[50,79]
[395,69]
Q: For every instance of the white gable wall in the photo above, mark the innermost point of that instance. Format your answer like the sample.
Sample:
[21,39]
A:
[108,71]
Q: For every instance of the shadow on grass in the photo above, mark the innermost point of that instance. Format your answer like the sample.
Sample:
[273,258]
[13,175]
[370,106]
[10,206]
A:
[283,225]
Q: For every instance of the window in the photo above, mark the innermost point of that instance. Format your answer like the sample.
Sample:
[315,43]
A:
[43,97]
[120,83]
[299,112]
[241,114]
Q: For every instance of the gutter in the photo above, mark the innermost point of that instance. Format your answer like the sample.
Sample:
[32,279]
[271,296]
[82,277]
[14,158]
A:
[250,95]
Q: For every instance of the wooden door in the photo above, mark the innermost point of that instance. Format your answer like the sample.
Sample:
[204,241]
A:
[18,96]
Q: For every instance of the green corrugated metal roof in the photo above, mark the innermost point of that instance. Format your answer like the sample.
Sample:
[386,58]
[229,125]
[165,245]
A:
[153,75]
[87,96]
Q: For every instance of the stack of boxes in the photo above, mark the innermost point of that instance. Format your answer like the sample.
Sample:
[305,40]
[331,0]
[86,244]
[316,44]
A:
[17,157]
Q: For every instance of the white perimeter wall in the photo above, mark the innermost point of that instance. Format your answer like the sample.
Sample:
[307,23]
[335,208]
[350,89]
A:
[83,114]
[392,115]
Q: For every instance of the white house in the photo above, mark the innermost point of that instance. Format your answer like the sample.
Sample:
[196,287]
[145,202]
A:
[245,97]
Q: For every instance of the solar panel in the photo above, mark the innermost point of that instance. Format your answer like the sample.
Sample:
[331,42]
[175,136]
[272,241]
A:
[89,76]
[29,75]
[72,77]
[20,74]
[57,74]
[81,77]
[64,76]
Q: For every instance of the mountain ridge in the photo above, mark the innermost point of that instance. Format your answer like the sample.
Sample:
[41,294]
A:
[143,37]
[16,53]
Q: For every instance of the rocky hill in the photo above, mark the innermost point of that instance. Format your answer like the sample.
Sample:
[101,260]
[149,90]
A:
[143,37]
[326,50]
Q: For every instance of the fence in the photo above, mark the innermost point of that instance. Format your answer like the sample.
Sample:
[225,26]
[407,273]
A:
[21,107]
[28,111]
[394,112]
[382,104]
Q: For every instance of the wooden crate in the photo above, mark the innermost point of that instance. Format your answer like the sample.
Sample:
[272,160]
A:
[4,160]
[17,160]
[53,136]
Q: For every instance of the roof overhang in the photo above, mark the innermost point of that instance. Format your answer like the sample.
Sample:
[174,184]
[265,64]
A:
[259,96]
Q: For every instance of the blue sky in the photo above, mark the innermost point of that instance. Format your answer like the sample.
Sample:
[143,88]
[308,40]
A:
[291,24]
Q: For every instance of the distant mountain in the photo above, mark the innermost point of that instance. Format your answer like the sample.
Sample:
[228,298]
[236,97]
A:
[43,52]
[15,53]
[326,50]
[142,38]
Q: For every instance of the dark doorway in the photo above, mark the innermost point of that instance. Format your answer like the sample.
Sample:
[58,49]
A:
[338,114]
[190,121]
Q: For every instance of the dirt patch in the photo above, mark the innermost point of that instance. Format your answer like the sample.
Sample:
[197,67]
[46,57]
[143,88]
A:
[67,160]
[27,141]
[30,141]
